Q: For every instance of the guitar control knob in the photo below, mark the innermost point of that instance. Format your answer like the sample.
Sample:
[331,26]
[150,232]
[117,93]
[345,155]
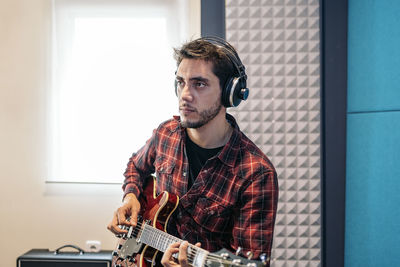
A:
[249,255]
[225,256]
[238,251]
[115,253]
[237,262]
[264,259]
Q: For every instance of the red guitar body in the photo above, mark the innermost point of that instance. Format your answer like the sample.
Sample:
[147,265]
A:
[157,209]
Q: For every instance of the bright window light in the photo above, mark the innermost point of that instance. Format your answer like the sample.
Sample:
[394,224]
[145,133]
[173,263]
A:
[113,84]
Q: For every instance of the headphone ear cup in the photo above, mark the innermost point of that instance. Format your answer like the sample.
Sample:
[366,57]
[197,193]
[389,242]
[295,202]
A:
[226,92]
[231,95]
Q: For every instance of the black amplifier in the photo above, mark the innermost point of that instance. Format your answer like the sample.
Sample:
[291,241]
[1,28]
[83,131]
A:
[47,258]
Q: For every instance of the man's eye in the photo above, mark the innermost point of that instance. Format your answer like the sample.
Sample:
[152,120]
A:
[200,84]
[179,83]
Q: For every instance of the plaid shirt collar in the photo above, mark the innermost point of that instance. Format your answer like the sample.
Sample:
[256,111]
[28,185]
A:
[229,153]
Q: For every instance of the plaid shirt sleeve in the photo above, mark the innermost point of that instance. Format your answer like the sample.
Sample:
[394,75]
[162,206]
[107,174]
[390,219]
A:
[139,167]
[253,231]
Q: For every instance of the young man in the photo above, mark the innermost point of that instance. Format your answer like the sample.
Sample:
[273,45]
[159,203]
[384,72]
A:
[227,187]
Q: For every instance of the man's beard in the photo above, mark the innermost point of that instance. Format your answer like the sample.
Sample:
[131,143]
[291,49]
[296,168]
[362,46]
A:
[205,116]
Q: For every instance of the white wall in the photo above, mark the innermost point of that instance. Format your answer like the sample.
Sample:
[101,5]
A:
[33,214]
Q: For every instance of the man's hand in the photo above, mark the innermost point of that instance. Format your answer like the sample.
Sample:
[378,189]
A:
[130,208]
[180,248]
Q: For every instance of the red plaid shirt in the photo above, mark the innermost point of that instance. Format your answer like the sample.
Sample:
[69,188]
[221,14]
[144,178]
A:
[233,200]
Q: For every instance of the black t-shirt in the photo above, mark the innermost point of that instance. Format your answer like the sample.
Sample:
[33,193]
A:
[197,158]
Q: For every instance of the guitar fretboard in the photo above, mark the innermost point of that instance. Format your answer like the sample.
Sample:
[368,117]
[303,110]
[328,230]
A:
[156,238]
[160,240]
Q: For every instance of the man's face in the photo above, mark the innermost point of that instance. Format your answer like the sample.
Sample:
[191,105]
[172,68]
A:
[198,91]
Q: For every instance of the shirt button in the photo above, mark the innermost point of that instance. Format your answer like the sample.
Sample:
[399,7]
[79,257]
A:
[184,174]
[161,169]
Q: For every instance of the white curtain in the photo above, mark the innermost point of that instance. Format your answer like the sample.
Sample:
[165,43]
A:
[113,74]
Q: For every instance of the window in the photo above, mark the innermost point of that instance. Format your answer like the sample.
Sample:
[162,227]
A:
[113,74]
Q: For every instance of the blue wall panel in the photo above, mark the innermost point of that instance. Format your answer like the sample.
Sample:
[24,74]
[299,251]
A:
[373,190]
[372,225]
[374,55]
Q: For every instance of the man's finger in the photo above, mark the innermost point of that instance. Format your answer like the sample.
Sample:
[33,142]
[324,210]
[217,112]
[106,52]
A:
[130,208]
[122,217]
[167,259]
[133,219]
[113,226]
[182,257]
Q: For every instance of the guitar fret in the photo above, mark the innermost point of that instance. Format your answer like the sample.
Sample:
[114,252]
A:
[156,238]
[160,240]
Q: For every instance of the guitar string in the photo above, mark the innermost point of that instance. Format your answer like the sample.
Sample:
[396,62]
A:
[191,254]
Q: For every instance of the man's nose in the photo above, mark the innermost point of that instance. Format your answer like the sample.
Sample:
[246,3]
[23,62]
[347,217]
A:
[186,93]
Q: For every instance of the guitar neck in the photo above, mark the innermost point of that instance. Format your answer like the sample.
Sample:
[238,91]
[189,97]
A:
[156,238]
[160,240]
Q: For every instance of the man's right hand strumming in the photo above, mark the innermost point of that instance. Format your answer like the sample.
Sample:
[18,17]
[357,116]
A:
[129,209]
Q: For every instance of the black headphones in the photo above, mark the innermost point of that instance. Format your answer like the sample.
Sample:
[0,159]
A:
[235,89]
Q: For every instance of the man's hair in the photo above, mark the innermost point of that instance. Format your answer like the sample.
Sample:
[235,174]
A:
[223,67]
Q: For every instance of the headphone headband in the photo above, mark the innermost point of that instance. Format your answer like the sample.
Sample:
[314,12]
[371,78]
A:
[235,89]
[230,52]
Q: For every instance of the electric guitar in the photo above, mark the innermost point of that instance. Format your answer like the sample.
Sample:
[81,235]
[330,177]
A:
[140,246]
